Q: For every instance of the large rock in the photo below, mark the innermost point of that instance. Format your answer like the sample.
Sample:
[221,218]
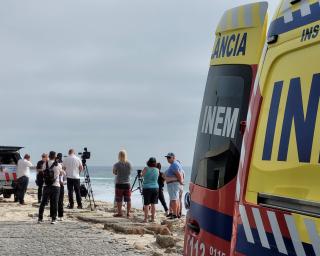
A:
[165,241]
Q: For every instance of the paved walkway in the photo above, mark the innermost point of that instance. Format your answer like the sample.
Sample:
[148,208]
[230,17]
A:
[66,238]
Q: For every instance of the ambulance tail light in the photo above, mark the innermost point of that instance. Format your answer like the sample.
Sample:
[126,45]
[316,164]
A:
[193,226]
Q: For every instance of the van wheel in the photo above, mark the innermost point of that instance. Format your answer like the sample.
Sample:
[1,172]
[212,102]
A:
[6,194]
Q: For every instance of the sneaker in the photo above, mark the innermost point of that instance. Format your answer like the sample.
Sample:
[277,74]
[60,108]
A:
[60,219]
[40,221]
[53,222]
[79,207]
[173,217]
[70,207]
[169,215]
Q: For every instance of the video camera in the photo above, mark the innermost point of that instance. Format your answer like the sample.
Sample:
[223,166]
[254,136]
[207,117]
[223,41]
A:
[85,155]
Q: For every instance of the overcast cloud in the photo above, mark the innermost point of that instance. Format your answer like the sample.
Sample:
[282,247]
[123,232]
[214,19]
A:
[106,75]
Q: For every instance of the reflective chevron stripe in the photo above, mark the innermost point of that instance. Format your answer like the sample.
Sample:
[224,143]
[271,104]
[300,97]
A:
[260,232]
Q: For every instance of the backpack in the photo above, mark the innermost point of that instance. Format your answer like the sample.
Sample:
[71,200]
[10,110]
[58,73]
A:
[83,190]
[48,174]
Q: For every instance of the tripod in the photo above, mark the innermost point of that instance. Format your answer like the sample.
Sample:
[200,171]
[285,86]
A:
[139,187]
[87,183]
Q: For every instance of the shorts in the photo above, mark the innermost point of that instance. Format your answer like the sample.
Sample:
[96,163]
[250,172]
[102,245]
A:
[150,195]
[123,193]
[174,190]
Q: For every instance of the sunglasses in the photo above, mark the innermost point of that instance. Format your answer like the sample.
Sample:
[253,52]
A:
[168,157]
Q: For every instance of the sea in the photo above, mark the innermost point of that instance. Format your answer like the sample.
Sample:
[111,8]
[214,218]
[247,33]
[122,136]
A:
[102,180]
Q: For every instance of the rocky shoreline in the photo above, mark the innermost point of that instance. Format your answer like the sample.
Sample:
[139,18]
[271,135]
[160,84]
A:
[125,235]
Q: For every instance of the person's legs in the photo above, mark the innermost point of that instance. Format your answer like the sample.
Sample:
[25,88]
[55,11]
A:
[45,196]
[180,202]
[40,188]
[163,201]
[175,207]
[76,183]
[54,198]
[22,186]
[153,212]
[70,192]
[118,199]
[127,199]
[60,203]
[146,212]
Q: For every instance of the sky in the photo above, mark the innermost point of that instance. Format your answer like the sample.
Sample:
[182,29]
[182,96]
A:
[106,74]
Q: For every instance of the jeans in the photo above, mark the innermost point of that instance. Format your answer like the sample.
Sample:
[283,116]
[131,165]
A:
[22,188]
[60,203]
[74,185]
[163,200]
[51,193]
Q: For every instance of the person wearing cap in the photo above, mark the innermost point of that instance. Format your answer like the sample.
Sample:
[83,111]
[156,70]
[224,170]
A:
[150,191]
[39,179]
[174,181]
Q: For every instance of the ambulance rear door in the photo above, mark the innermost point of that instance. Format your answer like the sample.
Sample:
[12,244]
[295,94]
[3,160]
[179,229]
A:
[280,209]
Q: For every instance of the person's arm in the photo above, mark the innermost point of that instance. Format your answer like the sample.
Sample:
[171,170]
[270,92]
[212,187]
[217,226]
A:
[80,166]
[114,170]
[179,176]
[144,171]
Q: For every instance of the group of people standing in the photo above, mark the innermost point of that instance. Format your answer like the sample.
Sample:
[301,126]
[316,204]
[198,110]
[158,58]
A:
[52,172]
[153,186]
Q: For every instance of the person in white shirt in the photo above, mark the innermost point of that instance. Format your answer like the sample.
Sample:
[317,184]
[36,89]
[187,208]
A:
[73,166]
[51,191]
[23,174]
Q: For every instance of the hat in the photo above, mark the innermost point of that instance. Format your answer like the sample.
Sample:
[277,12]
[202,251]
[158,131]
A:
[170,154]
[152,160]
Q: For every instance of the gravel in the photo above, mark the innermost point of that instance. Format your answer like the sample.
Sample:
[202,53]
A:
[63,238]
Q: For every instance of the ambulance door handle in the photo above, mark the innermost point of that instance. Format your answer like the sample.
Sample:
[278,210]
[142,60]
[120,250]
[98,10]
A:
[243,125]
[194,227]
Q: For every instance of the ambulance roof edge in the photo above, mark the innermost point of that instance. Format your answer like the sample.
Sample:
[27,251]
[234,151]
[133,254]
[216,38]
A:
[242,17]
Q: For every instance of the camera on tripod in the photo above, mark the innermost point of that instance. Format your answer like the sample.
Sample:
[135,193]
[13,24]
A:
[86,186]
[85,155]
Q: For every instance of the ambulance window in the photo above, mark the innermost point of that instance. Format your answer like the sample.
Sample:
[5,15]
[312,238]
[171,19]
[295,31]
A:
[219,139]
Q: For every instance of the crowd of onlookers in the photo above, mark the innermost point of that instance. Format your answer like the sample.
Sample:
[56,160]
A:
[153,186]
[53,172]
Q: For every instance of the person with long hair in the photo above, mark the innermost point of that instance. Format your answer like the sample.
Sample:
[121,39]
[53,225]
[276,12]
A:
[150,191]
[122,170]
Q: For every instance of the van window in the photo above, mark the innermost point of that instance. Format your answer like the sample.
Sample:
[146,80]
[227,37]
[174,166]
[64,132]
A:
[9,158]
[219,140]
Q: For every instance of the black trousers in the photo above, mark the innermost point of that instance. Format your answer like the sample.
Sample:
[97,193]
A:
[60,203]
[163,200]
[74,185]
[51,193]
[22,188]
[40,188]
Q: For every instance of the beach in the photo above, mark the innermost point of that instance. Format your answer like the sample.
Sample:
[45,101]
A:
[85,232]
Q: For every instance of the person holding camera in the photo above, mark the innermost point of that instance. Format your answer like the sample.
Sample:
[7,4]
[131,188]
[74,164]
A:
[39,178]
[73,166]
[122,170]
[51,189]
[150,191]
